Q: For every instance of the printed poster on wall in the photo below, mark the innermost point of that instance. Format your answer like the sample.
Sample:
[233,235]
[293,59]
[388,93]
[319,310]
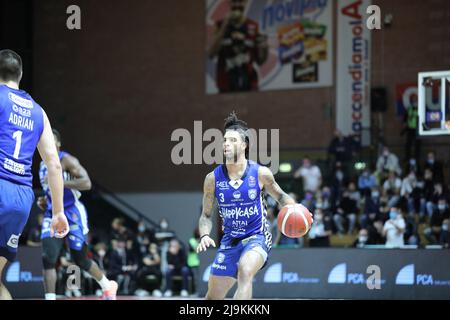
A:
[260,45]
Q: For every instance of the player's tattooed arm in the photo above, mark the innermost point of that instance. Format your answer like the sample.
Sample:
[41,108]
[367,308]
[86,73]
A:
[205,222]
[81,179]
[272,187]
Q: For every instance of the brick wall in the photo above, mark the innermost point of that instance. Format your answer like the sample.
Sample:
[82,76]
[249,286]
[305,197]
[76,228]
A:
[135,72]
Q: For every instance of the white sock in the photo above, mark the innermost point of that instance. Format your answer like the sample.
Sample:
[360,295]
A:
[104,283]
[50,296]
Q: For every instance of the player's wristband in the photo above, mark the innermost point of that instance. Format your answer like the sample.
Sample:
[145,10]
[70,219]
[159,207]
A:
[205,235]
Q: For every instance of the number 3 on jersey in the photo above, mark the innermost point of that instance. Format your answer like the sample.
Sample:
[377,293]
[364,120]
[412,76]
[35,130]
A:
[221,196]
[18,137]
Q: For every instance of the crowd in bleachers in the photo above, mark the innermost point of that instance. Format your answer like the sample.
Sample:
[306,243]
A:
[380,205]
[144,260]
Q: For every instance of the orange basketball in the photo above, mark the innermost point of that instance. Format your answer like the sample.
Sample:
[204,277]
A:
[294,220]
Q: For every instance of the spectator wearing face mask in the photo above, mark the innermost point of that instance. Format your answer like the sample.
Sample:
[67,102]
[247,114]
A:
[388,162]
[100,250]
[394,229]
[339,180]
[432,199]
[319,235]
[327,202]
[366,181]
[445,234]
[413,166]
[347,212]
[392,187]
[441,213]
[435,167]
[363,239]
[371,205]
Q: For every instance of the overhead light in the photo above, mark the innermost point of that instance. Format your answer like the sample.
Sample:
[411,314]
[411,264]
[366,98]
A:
[360,165]
[285,167]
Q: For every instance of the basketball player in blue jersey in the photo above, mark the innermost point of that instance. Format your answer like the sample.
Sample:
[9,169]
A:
[76,179]
[24,126]
[237,186]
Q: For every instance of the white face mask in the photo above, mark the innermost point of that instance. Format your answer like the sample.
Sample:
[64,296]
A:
[445,227]
[164,225]
[141,228]
[362,239]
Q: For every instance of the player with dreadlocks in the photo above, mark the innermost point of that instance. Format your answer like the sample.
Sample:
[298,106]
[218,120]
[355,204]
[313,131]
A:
[237,187]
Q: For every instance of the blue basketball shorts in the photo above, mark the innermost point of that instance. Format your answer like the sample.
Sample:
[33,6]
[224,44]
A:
[230,252]
[15,205]
[77,218]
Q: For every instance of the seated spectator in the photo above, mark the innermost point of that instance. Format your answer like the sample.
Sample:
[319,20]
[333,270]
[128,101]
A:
[418,197]
[441,213]
[142,243]
[374,226]
[327,201]
[311,175]
[411,235]
[445,234]
[308,200]
[394,229]
[384,209]
[388,162]
[366,181]
[363,239]
[320,232]
[164,233]
[433,198]
[34,235]
[346,212]
[413,166]
[150,266]
[118,229]
[391,188]
[408,185]
[355,195]
[100,251]
[339,179]
[176,265]
[371,205]
[122,265]
[435,167]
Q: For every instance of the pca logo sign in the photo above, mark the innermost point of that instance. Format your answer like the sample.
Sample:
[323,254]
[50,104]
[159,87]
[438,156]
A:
[275,274]
[407,276]
[340,275]
[15,275]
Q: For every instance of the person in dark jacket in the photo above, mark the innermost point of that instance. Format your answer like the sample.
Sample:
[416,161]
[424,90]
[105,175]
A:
[176,265]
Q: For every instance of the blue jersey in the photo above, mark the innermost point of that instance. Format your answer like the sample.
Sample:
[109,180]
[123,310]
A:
[21,126]
[70,195]
[240,202]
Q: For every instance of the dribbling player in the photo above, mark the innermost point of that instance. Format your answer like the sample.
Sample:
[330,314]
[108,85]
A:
[76,179]
[24,126]
[237,186]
